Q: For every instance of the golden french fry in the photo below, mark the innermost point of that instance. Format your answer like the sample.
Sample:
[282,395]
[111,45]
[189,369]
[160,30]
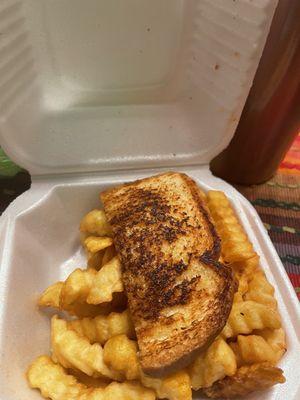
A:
[247,316]
[91,286]
[246,380]
[120,354]
[77,286]
[54,383]
[255,349]
[235,243]
[260,290]
[119,391]
[95,223]
[276,339]
[103,327]
[51,296]
[176,386]
[215,363]
[106,282]
[74,351]
[52,380]
[93,244]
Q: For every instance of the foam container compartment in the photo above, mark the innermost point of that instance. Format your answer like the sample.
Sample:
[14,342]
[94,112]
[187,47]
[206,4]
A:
[41,245]
[97,93]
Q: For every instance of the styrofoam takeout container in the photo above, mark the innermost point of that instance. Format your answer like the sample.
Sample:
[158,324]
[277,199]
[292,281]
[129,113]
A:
[94,93]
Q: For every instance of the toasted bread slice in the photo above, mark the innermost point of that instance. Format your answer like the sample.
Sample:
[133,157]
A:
[178,294]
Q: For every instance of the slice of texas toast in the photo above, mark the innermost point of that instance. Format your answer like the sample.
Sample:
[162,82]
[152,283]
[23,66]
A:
[178,294]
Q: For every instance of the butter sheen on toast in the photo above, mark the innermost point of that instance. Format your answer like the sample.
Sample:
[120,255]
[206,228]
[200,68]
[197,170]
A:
[179,295]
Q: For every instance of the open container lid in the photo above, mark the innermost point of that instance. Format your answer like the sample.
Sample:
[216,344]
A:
[102,85]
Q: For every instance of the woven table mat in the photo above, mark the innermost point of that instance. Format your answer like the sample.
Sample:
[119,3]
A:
[278,203]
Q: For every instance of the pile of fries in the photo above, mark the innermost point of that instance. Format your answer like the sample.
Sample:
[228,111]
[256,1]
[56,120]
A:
[94,353]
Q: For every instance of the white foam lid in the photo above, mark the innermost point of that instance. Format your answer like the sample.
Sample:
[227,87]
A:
[103,85]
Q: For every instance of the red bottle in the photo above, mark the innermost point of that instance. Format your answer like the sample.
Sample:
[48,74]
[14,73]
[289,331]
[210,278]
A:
[271,116]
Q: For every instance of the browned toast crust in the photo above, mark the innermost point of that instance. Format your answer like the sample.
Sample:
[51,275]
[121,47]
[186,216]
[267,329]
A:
[178,294]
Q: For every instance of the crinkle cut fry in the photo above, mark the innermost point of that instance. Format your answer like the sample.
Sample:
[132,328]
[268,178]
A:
[267,345]
[94,244]
[54,383]
[91,286]
[95,223]
[107,281]
[84,290]
[253,284]
[235,243]
[97,250]
[260,290]
[214,364]
[254,349]
[74,351]
[247,316]
[51,298]
[276,338]
[103,327]
[52,380]
[248,379]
